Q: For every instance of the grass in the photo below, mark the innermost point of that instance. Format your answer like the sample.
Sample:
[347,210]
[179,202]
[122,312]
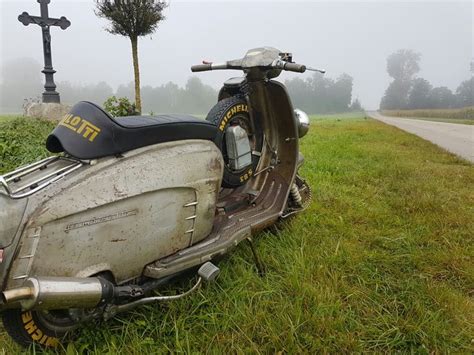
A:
[382,261]
[22,140]
[462,115]
[4,118]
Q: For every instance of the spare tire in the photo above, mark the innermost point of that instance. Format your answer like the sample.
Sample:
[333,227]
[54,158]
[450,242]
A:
[230,111]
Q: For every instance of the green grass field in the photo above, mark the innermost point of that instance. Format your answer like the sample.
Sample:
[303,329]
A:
[6,118]
[382,261]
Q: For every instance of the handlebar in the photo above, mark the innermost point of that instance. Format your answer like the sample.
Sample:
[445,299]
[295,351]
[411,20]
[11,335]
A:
[298,68]
[278,64]
[210,66]
[201,67]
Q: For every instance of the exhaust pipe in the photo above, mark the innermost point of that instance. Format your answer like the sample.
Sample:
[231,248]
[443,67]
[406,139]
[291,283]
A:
[49,293]
[60,293]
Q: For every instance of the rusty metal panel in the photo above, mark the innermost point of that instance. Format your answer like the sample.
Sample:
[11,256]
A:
[120,214]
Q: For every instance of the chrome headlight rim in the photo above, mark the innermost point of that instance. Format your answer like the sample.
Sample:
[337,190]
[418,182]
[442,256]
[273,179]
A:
[302,121]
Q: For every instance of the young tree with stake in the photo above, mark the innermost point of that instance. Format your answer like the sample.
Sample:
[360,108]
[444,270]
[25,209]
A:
[132,19]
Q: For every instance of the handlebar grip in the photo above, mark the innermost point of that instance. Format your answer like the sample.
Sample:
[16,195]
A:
[298,68]
[201,67]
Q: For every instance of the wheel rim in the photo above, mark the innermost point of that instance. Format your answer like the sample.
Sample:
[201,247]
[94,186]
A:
[59,321]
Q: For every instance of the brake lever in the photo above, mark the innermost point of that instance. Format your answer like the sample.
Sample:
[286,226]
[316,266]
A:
[322,71]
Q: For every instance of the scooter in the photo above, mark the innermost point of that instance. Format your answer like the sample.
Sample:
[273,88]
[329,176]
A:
[130,203]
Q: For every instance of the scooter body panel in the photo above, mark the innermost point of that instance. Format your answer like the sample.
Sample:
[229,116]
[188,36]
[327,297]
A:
[149,214]
[120,214]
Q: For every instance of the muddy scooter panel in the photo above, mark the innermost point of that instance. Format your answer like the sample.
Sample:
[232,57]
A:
[135,202]
[135,209]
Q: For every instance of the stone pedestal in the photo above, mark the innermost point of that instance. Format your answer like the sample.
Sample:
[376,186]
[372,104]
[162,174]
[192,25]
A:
[49,111]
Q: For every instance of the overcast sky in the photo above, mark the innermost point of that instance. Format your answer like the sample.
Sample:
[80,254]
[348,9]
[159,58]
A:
[353,37]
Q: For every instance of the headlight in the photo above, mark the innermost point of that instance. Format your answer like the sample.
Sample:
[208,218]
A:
[302,120]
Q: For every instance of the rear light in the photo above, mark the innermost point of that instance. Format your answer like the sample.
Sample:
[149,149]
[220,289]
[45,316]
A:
[1,256]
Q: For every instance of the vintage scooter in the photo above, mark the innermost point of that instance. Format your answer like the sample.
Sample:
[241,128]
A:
[130,203]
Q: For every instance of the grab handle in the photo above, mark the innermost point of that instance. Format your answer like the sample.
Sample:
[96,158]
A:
[298,68]
[201,67]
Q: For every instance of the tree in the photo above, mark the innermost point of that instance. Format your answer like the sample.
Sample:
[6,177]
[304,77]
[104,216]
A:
[442,97]
[197,97]
[320,94]
[356,106]
[403,64]
[396,95]
[341,95]
[132,19]
[126,90]
[420,94]
[301,94]
[465,93]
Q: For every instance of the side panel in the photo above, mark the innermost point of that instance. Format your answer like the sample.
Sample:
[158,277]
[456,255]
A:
[122,213]
[121,237]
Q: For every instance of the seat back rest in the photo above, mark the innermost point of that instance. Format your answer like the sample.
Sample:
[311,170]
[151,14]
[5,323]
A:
[86,132]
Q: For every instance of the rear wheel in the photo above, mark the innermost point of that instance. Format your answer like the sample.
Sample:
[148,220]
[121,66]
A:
[41,328]
[235,111]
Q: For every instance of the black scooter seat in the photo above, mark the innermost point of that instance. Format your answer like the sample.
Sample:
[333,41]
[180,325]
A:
[89,132]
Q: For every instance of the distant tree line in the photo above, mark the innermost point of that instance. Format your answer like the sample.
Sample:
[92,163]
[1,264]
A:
[22,80]
[407,91]
[195,97]
[321,94]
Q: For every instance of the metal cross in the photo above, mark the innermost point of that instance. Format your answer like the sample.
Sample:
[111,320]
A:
[45,22]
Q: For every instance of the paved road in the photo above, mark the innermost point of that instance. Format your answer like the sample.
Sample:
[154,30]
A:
[456,138]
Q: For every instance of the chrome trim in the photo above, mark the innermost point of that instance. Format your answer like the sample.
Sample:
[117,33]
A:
[302,121]
[39,183]
[28,250]
[268,169]
[26,257]
[25,170]
[17,294]
[56,293]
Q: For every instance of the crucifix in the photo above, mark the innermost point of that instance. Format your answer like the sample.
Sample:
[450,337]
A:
[45,22]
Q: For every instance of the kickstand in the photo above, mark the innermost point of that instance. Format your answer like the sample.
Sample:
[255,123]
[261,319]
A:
[258,262]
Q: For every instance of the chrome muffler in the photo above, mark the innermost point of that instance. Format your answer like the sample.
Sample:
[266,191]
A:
[53,293]
[59,293]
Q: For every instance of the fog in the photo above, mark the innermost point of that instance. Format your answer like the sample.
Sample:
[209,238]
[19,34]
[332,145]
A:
[352,37]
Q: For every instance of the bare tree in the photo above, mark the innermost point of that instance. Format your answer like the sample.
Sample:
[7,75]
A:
[132,19]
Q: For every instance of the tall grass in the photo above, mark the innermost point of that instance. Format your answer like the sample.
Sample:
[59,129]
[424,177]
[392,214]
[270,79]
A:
[466,113]
[22,140]
[382,261]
